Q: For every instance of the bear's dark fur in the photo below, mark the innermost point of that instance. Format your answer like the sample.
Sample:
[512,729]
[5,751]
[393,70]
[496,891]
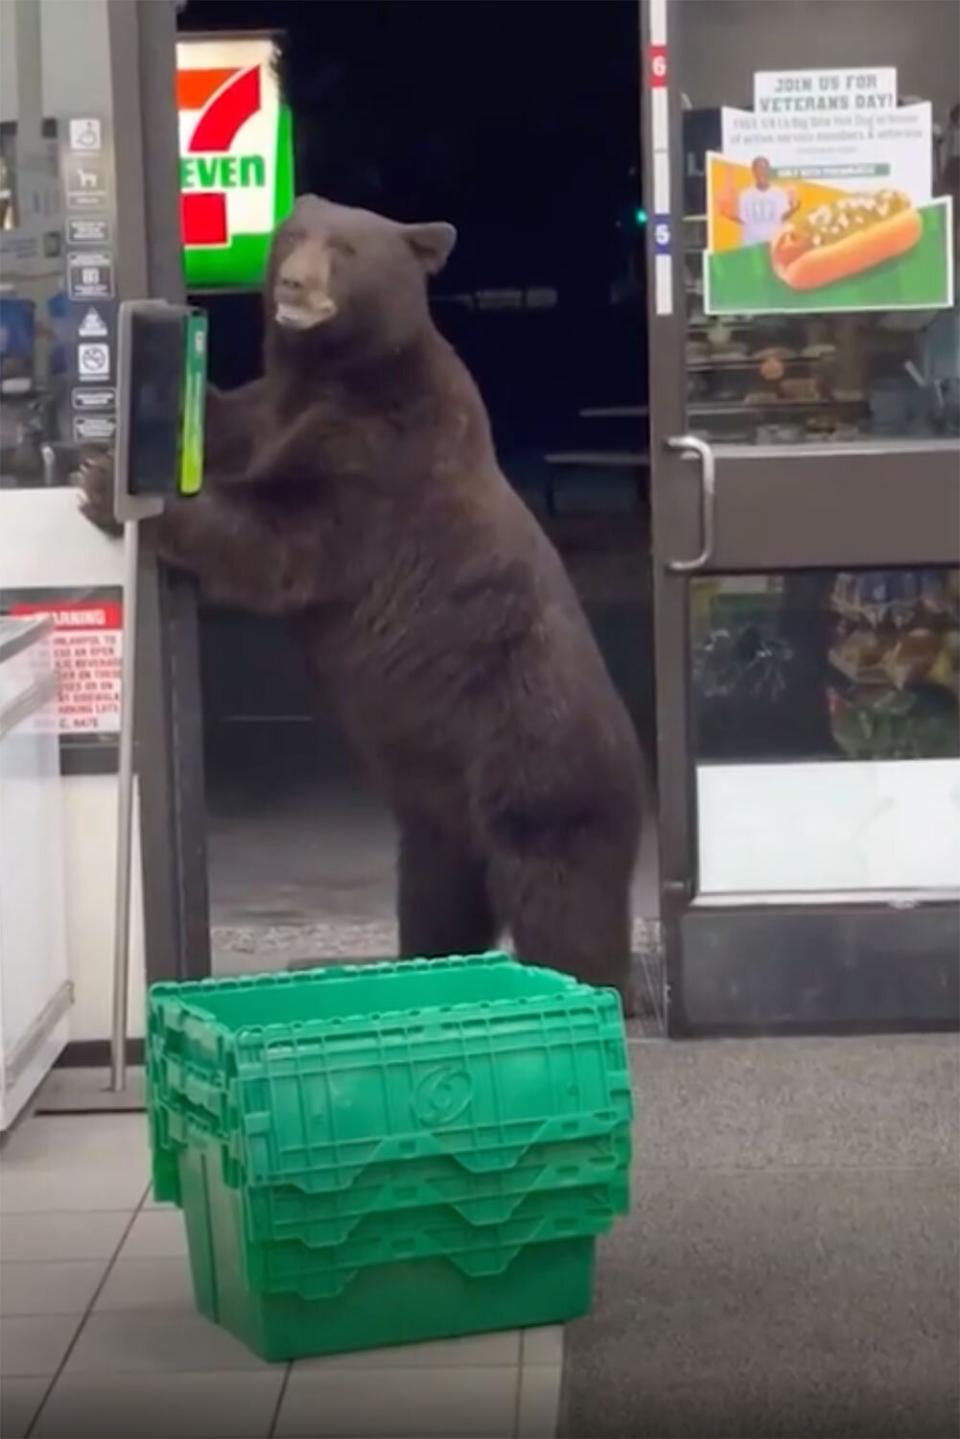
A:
[354,490]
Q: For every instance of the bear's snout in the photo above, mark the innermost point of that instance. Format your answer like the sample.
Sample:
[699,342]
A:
[302,288]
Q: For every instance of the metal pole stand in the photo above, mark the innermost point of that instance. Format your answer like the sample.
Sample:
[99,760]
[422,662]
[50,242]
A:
[125,807]
[158,377]
[144,509]
[129,509]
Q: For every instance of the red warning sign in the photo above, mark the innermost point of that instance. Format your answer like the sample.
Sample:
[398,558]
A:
[87,642]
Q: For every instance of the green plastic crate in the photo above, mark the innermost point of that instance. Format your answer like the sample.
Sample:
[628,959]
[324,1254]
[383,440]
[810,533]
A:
[311,1078]
[547,1174]
[397,1303]
[439,1140]
[318,1267]
[283,1211]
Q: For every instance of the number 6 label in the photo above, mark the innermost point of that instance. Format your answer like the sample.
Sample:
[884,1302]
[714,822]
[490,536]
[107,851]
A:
[658,66]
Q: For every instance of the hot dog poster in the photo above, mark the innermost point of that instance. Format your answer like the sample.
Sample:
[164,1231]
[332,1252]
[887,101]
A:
[821,200]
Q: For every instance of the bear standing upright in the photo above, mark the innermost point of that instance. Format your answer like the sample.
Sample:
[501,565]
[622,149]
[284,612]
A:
[354,490]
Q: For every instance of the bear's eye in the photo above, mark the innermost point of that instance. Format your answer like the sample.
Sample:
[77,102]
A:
[343,247]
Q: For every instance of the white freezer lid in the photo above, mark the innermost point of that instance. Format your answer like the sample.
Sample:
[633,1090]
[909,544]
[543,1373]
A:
[16,635]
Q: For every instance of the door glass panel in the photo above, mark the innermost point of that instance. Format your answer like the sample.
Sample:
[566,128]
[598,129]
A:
[827,730]
[58,270]
[57,241]
[819,123]
[33,359]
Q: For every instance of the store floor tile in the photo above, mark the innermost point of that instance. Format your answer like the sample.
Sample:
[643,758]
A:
[542,1346]
[100,1187]
[144,1342]
[147,1284]
[45,1287]
[401,1403]
[20,1399]
[56,1237]
[162,1406]
[61,1142]
[156,1234]
[538,1397]
[35,1346]
[538,1401]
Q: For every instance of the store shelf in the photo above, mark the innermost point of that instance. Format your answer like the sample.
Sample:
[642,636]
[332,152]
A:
[729,322]
[750,362]
[731,407]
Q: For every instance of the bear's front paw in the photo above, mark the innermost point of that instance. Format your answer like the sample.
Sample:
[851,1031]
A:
[95,479]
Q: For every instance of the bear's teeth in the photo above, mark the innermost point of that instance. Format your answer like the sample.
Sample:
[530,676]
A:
[300,318]
[290,315]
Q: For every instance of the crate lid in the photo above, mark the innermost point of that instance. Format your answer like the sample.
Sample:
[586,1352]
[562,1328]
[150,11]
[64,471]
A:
[479,1058]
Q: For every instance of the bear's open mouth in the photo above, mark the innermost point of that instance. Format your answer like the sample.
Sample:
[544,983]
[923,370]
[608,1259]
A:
[304,317]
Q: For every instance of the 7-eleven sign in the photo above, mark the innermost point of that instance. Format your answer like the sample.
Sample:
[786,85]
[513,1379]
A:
[236,157]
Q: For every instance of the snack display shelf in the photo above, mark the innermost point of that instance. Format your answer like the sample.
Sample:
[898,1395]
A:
[701,324]
[748,362]
[730,407]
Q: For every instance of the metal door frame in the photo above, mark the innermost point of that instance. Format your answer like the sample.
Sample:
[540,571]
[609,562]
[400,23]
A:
[762,524]
[169,727]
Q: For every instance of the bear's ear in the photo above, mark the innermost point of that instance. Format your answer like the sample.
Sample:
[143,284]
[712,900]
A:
[431,244]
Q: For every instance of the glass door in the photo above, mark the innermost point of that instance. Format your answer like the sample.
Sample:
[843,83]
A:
[801,165]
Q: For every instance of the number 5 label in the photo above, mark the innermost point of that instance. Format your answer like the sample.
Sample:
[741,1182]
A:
[661,235]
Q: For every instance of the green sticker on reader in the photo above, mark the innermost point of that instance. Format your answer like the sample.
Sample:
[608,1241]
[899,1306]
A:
[194,403]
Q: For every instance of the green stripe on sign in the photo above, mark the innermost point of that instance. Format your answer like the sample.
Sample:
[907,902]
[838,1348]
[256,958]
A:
[240,265]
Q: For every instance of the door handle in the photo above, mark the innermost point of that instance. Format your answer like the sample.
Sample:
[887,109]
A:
[692,445]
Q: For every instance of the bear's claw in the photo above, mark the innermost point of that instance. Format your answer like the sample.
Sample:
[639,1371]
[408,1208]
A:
[95,479]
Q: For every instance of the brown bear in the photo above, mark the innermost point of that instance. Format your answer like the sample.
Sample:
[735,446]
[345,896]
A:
[354,490]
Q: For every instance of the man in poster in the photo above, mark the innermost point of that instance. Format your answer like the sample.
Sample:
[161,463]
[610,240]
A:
[761,208]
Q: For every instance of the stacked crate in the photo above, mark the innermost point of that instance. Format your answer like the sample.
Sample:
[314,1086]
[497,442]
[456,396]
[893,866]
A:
[381,1154]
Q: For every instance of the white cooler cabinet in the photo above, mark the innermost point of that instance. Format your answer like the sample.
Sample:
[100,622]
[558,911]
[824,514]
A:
[35,989]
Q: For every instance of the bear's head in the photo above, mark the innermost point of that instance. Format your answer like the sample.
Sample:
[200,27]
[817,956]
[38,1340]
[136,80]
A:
[349,282]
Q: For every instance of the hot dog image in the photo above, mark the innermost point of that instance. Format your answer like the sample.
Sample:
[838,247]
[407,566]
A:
[844,237]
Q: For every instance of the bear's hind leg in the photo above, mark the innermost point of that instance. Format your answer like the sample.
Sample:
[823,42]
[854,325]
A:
[443,904]
[569,910]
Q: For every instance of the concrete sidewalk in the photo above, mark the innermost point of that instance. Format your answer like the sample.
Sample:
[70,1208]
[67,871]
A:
[790,1264]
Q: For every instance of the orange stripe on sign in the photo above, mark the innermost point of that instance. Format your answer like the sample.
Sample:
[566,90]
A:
[195,87]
